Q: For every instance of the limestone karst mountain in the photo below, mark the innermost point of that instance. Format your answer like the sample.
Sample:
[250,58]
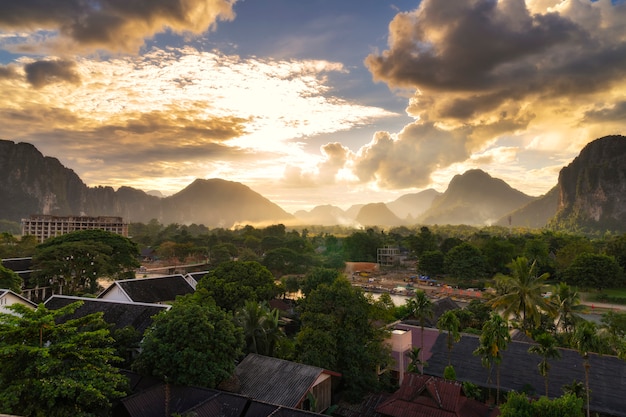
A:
[592,188]
[34,184]
[590,195]
[474,198]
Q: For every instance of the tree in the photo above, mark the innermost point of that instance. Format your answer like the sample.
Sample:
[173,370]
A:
[9,280]
[421,308]
[415,360]
[431,263]
[546,348]
[337,334]
[54,366]
[589,270]
[524,293]
[613,329]
[234,282]
[586,341]
[124,252]
[450,323]
[77,260]
[465,262]
[73,267]
[518,405]
[193,343]
[260,327]
[317,277]
[566,304]
[493,340]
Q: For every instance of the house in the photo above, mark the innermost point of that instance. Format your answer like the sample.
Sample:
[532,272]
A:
[166,400]
[156,290]
[519,372]
[119,314]
[289,384]
[8,297]
[429,396]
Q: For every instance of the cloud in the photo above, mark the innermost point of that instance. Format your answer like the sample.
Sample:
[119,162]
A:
[408,160]
[112,24]
[42,73]
[484,71]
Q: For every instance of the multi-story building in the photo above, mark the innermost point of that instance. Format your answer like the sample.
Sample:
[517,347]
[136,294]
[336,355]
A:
[46,226]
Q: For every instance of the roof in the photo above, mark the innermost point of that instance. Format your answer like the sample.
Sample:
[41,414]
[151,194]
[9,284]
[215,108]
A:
[275,381]
[118,313]
[18,264]
[199,402]
[153,290]
[518,370]
[5,292]
[428,396]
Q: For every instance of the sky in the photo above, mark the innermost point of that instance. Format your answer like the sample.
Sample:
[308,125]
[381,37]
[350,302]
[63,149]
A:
[312,102]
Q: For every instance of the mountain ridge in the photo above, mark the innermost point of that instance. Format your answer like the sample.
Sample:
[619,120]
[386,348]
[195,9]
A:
[589,194]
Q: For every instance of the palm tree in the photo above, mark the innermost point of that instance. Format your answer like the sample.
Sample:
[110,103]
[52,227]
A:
[450,323]
[546,348]
[566,303]
[586,340]
[415,357]
[494,339]
[524,293]
[421,308]
[261,327]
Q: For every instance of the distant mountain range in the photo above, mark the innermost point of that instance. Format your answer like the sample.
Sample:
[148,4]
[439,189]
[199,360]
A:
[590,194]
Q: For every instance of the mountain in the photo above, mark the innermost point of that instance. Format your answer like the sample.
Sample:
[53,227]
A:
[535,214]
[220,203]
[377,214]
[35,184]
[411,206]
[328,215]
[592,188]
[474,198]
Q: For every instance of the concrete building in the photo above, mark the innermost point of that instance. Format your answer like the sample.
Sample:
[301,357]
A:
[46,226]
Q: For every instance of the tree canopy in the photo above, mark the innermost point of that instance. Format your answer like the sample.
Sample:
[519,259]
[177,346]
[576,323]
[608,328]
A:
[75,261]
[337,335]
[50,366]
[194,343]
[9,280]
[234,282]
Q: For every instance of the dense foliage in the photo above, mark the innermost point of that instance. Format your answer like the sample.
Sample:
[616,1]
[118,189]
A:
[51,367]
[337,335]
[234,282]
[194,343]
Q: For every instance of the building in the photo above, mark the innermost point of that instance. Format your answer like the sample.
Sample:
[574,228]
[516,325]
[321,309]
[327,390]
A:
[388,256]
[8,297]
[46,226]
[155,290]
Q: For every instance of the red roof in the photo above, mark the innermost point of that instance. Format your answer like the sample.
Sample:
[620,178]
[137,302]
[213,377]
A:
[428,396]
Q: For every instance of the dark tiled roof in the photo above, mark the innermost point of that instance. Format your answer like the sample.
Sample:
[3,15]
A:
[199,402]
[18,264]
[367,408]
[197,275]
[427,396]
[274,380]
[518,370]
[120,314]
[153,290]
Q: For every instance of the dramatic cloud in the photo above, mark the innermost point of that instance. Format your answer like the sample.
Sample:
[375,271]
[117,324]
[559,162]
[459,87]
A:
[179,112]
[408,160]
[112,24]
[486,70]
